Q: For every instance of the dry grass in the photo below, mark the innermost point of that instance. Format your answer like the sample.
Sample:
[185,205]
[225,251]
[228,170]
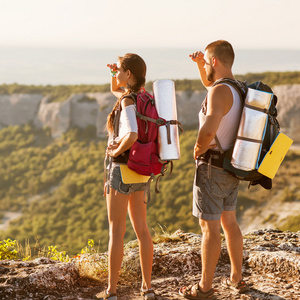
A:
[165,237]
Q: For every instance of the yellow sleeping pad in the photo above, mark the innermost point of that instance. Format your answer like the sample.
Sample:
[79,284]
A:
[129,176]
[275,155]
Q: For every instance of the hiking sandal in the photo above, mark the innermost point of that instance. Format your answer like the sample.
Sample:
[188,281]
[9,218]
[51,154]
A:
[187,293]
[148,294]
[109,296]
[239,287]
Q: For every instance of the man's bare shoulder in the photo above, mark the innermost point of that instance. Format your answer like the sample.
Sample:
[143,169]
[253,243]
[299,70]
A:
[219,100]
[220,91]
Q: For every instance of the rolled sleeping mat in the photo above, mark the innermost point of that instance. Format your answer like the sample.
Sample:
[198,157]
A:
[168,135]
[251,130]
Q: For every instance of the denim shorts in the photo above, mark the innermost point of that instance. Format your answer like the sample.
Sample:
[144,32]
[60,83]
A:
[213,194]
[115,181]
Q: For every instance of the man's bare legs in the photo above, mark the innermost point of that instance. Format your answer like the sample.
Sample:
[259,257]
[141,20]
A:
[234,242]
[211,248]
[210,251]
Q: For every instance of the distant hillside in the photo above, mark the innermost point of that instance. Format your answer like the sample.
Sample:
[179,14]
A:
[54,188]
[62,92]
[55,93]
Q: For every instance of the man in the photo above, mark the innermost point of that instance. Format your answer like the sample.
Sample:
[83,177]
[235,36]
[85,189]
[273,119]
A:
[215,190]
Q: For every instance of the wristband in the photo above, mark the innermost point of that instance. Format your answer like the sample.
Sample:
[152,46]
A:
[113,73]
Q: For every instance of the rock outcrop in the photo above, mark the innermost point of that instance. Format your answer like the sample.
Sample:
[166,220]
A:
[37,279]
[289,109]
[80,110]
[271,268]
[54,115]
[18,109]
[92,109]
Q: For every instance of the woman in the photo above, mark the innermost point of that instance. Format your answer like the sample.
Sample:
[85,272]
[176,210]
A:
[128,76]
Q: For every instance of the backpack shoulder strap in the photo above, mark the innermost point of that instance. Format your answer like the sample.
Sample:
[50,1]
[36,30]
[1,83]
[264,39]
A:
[240,87]
[145,96]
[132,96]
[116,121]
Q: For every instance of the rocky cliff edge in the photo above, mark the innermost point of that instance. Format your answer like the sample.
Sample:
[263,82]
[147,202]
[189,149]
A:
[271,268]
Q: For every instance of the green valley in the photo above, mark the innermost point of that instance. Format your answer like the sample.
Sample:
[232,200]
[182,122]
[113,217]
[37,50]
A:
[57,186]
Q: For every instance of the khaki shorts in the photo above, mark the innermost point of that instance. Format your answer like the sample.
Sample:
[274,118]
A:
[212,196]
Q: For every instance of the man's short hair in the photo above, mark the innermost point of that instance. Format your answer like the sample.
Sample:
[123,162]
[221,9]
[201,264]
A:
[223,51]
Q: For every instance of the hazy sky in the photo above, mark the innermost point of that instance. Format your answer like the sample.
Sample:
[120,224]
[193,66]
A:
[272,24]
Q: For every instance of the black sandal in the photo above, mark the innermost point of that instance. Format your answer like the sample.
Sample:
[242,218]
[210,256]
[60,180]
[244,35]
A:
[187,293]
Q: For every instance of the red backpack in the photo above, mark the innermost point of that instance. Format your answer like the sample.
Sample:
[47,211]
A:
[144,153]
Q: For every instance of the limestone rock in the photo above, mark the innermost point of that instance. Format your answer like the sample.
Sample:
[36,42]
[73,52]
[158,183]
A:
[91,109]
[289,109]
[55,115]
[17,109]
[82,110]
[41,278]
[105,103]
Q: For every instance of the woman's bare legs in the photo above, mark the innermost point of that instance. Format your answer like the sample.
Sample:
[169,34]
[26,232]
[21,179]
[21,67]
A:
[117,210]
[137,212]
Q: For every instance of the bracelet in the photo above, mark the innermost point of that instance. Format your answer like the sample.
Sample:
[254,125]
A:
[113,73]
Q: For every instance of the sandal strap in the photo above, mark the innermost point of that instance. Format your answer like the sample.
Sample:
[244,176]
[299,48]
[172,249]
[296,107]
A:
[200,293]
[110,295]
[240,284]
[150,291]
[190,287]
[236,285]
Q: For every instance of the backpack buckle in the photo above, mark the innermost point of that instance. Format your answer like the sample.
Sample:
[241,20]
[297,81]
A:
[160,122]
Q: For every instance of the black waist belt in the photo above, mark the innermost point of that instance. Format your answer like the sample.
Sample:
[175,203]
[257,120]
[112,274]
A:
[213,157]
